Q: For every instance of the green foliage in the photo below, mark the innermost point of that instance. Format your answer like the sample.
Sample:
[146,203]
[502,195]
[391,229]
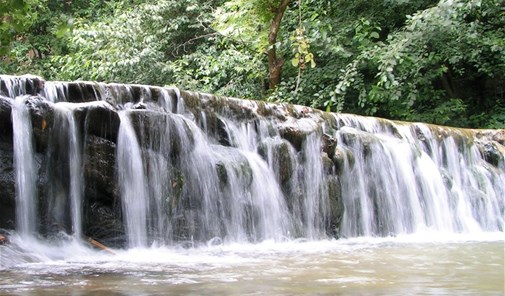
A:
[134,45]
[16,17]
[439,61]
[421,67]
[226,71]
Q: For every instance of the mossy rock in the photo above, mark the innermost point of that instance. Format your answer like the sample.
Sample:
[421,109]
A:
[493,153]
[336,205]
[328,164]
[364,140]
[42,118]
[329,144]
[283,157]
[296,133]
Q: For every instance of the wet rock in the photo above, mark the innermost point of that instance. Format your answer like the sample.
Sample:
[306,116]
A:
[296,132]
[329,144]
[336,205]
[493,152]
[359,139]
[99,171]
[338,158]
[104,223]
[7,185]
[286,162]
[42,117]
[294,136]
[235,167]
[79,92]
[328,164]
[283,157]
[5,119]
[222,174]
[102,121]
[499,136]
[492,135]
[217,129]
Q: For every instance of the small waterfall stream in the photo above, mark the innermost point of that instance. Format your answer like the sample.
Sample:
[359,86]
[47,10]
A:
[24,165]
[191,168]
[133,186]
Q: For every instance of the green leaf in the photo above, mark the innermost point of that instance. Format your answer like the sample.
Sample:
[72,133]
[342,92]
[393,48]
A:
[374,35]
[295,61]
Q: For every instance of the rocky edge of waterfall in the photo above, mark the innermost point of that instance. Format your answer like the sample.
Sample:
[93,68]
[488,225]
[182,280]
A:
[101,122]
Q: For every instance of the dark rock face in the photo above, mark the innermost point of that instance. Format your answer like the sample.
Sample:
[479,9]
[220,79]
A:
[7,177]
[7,185]
[102,210]
[492,153]
[101,121]
[104,223]
[99,171]
[5,119]
[42,118]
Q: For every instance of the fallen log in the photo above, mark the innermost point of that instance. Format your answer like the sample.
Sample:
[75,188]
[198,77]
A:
[100,246]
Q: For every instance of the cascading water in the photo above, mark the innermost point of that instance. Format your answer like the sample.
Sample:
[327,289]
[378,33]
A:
[242,171]
[194,192]
[64,115]
[396,184]
[65,184]
[131,177]
[24,164]
[315,206]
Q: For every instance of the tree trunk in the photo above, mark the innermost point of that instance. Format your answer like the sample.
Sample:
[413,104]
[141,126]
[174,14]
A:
[275,63]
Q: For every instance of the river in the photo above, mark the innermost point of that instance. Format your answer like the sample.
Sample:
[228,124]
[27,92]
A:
[420,264]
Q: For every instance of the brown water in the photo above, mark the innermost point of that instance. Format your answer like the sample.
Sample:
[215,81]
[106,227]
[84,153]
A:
[392,266]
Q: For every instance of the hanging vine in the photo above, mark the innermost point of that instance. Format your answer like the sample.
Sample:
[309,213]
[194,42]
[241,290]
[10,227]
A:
[301,48]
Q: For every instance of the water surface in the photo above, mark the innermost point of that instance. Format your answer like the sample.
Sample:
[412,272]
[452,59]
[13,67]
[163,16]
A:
[419,264]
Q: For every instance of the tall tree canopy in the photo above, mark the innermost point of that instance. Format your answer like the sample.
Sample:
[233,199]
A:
[435,61]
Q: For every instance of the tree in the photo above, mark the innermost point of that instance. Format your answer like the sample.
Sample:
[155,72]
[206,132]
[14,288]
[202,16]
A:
[135,45]
[257,24]
[439,61]
[274,62]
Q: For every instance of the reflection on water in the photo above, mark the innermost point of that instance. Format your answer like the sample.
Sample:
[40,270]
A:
[383,266]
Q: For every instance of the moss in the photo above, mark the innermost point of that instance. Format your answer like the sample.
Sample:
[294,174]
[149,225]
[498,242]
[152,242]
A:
[285,162]
[191,100]
[336,207]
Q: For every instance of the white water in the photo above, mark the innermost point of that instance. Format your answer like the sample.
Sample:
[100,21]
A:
[132,182]
[178,183]
[66,122]
[24,164]
[395,186]
[427,264]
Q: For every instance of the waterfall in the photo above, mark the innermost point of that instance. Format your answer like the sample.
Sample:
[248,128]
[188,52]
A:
[315,206]
[168,166]
[397,184]
[132,183]
[66,184]
[24,164]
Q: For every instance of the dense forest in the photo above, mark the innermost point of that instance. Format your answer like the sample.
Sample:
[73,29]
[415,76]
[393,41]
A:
[418,60]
